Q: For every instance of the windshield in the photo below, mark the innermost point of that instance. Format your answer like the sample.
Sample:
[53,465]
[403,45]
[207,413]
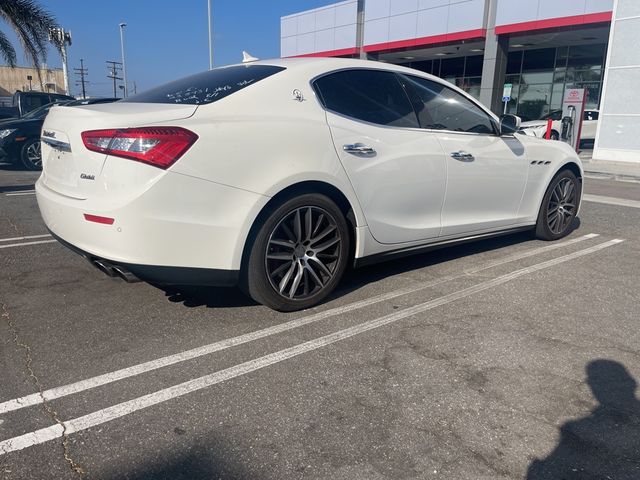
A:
[206,87]
[555,115]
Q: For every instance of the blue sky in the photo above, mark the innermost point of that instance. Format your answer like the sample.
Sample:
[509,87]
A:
[166,39]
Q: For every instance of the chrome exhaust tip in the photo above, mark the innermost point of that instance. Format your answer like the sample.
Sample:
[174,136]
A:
[126,275]
[105,268]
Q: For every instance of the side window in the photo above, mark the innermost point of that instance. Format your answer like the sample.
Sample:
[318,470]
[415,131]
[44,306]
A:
[370,95]
[31,102]
[440,108]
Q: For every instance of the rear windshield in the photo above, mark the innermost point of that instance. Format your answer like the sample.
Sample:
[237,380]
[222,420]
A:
[206,87]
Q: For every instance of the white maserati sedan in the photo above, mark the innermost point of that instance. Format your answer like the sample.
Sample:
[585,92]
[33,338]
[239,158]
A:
[538,128]
[278,175]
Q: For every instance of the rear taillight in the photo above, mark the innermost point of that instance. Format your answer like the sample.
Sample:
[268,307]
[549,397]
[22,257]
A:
[157,146]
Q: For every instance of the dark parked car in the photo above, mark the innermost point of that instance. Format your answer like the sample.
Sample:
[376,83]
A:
[20,137]
[25,102]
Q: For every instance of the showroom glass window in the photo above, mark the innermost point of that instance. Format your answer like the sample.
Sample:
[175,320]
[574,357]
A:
[463,72]
[373,96]
[541,76]
[441,108]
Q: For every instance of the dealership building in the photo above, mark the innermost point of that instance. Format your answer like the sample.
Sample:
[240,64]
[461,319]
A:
[541,47]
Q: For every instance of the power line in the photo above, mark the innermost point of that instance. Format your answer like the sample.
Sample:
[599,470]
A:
[82,72]
[113,74]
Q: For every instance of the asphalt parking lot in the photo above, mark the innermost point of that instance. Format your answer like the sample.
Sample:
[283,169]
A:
[505,359]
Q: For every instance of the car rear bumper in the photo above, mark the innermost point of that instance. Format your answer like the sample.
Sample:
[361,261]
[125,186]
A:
[161,275]
[181,230]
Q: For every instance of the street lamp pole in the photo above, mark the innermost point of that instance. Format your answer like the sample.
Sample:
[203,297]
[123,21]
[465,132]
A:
[210,37]
[124,67]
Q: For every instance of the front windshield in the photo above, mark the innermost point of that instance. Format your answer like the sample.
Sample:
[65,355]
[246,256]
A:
[555,115]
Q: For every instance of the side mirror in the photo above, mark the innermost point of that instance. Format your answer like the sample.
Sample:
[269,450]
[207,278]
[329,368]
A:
[509,124]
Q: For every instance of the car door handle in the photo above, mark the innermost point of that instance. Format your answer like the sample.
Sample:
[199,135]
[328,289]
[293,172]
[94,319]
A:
[359,149]
[462,156]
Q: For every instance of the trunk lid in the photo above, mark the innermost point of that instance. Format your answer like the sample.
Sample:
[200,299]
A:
[72,170]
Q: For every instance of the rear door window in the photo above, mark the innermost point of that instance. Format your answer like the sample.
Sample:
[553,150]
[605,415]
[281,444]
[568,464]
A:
[373,96]
[441,108]
[206,87]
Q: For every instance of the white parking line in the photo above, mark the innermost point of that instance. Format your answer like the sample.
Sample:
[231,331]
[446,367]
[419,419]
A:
[18,193]
[89,383]
[116,411]
[622,202]
[27,243]
[29,237]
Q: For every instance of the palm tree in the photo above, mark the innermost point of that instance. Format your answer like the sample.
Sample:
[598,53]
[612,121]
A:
[31,24]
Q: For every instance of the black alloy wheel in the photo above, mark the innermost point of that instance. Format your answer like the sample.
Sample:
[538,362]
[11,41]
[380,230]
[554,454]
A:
[299,254]
[559,207]
[303,252]
[31,154]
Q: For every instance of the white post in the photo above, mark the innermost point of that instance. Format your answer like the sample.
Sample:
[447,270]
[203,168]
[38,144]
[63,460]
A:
[210,36]
[124,67]
[65,68]
[62,39]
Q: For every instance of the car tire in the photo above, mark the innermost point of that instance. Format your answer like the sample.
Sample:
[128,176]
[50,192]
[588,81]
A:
[554,135]
[30,154]
[559,207]
[298,255]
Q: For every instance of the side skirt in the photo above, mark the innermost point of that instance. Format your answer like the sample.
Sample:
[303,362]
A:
[418,249]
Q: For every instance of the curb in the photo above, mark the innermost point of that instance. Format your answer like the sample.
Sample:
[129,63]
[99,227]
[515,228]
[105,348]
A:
[619,177]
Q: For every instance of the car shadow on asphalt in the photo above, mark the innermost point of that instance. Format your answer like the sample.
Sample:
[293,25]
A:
[210,297]
[354,279]
[358,278]
[185,461]
[606,442]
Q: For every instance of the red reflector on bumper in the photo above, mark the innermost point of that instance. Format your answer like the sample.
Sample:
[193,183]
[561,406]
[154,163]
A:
[98,219]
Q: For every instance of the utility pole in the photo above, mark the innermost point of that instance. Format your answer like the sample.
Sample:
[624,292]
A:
[62,38]
[83,72]
[113,74]
[124,67]
[210,35]
[135,87]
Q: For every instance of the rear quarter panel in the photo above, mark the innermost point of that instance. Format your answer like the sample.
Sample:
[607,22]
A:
[263,140]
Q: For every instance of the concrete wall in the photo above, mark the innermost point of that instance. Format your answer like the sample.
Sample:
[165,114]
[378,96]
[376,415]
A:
[520,11]
[327,29]
[407,23]
[397,20]
[12,79]
[333,29]
[618,137]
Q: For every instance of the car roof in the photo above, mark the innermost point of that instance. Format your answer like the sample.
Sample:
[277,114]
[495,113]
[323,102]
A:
[322,64]
[312,67]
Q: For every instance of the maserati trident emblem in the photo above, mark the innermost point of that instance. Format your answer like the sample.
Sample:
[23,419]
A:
[297,95]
